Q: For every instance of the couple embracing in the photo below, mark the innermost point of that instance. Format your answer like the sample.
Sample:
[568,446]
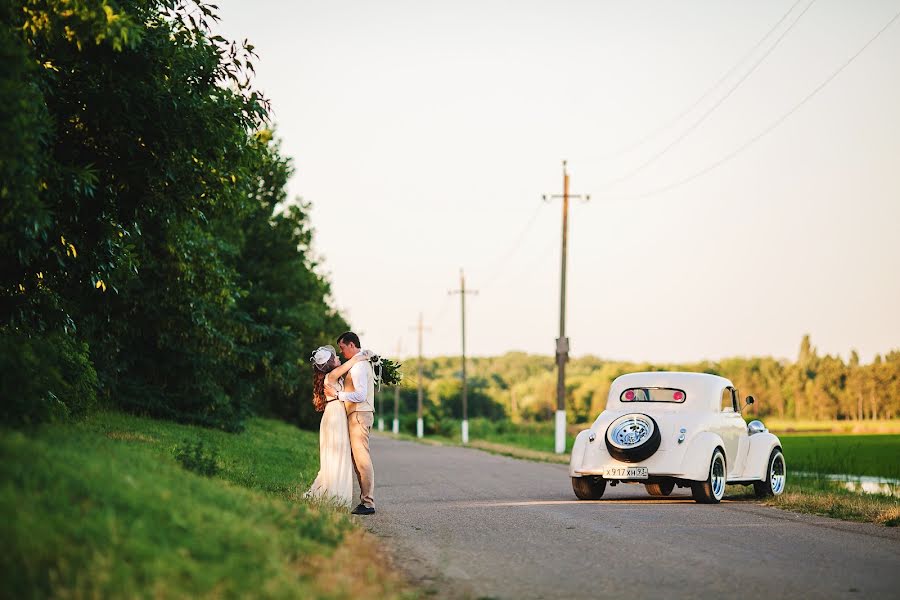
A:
[348,407]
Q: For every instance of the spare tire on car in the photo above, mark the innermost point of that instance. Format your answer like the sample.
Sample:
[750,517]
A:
[632,438]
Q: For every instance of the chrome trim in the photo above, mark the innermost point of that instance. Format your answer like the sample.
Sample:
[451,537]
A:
[756,427]
[682,431]
[629,431]
[778,474]
[592,436]
[717,476]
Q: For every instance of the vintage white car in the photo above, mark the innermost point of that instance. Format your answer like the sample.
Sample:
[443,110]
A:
[664,429]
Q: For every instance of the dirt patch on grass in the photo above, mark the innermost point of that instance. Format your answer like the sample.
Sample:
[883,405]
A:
[358,568]
[130,436]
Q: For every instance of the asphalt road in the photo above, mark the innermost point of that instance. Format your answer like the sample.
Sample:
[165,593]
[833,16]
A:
[467,524]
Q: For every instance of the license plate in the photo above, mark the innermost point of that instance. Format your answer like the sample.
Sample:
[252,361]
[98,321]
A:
[625,473]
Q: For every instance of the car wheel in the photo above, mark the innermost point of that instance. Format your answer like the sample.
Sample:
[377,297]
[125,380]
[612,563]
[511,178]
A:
[712,490]
[776,476]
[632,438]
[588,488]
[660,489]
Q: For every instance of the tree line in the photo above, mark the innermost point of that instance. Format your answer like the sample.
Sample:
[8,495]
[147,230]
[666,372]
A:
[150,260]
[522,387]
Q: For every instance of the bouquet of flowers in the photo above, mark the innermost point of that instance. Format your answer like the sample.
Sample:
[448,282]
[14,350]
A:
[387,372]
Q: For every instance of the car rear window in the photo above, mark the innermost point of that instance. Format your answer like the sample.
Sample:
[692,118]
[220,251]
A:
[653,394]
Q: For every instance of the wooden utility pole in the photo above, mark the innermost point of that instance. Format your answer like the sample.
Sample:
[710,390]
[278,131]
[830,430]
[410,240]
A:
[396,427]
[562,342]
[420,423]
[462,291]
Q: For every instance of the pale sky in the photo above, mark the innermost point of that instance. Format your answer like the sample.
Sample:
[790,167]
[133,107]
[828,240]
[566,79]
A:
[425,133]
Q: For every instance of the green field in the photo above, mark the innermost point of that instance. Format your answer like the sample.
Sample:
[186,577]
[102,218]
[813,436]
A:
[103,508]
[875,455]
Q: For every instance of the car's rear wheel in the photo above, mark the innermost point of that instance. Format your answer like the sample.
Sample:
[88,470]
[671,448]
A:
[632,438]
[660,489]
[588,488]
[712,490]
[776,476]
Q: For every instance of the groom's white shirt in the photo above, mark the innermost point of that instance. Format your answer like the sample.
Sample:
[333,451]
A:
[360,376]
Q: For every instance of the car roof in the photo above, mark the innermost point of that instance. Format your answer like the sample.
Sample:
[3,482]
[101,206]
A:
[701,389]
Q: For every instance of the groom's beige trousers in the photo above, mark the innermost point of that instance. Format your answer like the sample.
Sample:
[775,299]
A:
[360,416]
[360,423]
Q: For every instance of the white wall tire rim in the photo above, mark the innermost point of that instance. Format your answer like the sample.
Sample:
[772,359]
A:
[717,476]
[630,431]
[777,474]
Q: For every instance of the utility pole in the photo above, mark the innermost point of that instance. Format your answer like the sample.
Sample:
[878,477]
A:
[396,428]
[465,395]
[420,424]
[562,342]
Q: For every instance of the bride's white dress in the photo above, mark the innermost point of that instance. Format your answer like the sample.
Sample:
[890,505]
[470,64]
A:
[335,479]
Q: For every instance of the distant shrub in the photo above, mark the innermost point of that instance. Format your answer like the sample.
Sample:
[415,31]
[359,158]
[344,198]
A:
[194,456]
[45,378]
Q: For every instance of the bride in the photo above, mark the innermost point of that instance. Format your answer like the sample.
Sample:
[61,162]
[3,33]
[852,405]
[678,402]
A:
[335,478]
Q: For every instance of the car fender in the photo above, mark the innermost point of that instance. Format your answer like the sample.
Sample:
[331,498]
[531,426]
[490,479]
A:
[697,457]
[761,446]
[578,448]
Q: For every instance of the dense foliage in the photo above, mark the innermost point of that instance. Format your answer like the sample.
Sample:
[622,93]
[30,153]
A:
[522,387]
[149,257]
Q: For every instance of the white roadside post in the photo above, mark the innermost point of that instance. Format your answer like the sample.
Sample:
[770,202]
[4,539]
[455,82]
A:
[380,410]
[562,353]
[396,428]
[420,422]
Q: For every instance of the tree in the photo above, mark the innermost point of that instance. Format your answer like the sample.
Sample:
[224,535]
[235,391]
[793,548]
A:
[144,217]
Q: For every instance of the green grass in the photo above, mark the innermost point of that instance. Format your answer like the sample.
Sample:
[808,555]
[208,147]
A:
[830,499]
[102,508]
[876,455]
[531,436]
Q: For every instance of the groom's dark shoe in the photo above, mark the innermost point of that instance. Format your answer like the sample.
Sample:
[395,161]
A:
[362,509]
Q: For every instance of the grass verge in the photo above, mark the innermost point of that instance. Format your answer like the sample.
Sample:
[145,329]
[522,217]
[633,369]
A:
[103,508]
[825,498]
[488,446]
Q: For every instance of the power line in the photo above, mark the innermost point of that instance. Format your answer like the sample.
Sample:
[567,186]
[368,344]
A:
[765,131]
[691,128]
[654,133]
[502,262]
[499,266]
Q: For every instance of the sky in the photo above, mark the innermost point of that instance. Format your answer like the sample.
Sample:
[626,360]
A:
[742,161]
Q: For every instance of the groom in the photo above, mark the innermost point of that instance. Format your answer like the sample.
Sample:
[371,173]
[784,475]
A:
[359,399]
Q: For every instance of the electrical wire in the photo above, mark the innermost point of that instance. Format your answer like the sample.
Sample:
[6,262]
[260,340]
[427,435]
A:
[765,131]
[691,128]
[653,134]
[502,263]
